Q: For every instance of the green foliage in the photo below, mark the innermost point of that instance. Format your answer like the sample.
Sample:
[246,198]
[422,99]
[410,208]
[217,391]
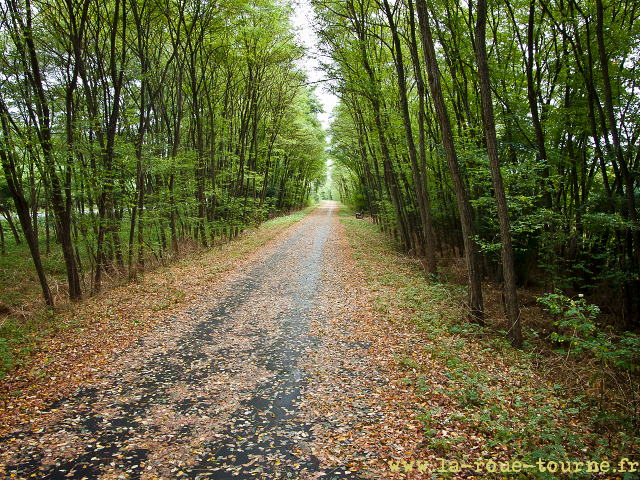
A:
[578,318]
[579,333]
[202,135]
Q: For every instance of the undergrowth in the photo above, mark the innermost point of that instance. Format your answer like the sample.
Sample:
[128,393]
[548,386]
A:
[500,393]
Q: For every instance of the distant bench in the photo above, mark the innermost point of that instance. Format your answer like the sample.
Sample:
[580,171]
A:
[361,214]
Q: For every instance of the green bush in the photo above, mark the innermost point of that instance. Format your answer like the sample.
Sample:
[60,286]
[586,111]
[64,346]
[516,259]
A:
[580,332]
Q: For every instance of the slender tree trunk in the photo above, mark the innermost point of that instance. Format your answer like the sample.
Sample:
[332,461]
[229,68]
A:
[533,104]
[7,215]
[374,97]
[46,224]
[468,231]
[429,223]
[41,120]
[626,175]
[19,200]
[2,238]
[418,180]
[141,227]
[513,312]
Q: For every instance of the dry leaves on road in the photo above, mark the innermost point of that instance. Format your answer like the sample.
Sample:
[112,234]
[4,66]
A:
[297,360]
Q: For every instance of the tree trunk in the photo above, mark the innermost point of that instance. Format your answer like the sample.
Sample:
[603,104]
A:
[533,105]
[22,206]
[488,120]
[626,175]
[2,239]
[374,97]
[7,215]
[41,118]
[471,249]
[46,224]
[418,180]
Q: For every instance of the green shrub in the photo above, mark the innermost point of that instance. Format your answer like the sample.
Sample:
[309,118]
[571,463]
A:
[580,332]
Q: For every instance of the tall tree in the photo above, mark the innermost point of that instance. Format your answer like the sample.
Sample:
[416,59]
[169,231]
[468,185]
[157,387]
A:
[464,207]
[19,20]
[488,120]
[9,165]
[419,180]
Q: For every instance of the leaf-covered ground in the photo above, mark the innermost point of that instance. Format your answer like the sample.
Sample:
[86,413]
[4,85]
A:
[307,358]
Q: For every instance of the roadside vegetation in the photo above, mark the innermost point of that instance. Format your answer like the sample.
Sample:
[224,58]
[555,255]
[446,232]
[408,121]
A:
[130,131]
[534,403]
[497,143]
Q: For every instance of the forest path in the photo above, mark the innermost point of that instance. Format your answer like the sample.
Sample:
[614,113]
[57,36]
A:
[269,376]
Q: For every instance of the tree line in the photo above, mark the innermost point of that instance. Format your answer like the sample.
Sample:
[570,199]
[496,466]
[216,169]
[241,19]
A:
[504,131]
[137,126]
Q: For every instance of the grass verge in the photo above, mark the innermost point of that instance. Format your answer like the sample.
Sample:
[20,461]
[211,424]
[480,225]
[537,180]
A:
[482,400]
